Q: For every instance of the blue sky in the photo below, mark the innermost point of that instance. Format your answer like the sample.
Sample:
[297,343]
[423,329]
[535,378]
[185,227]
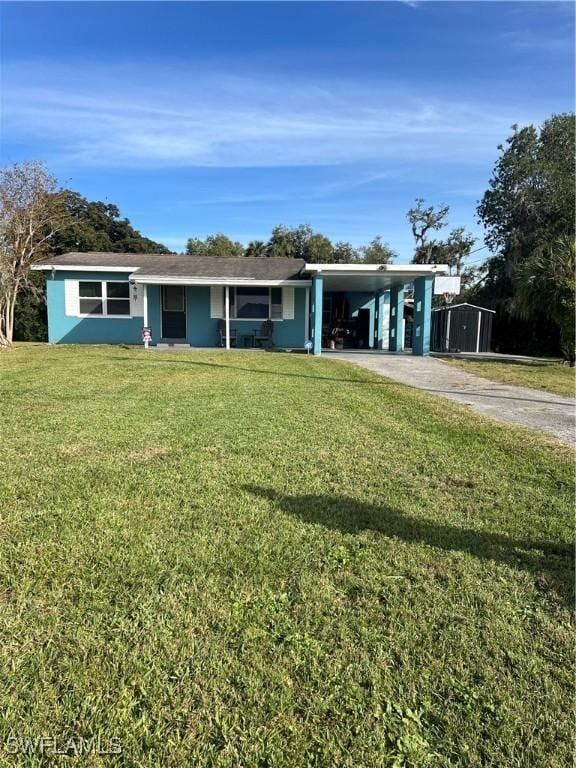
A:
[198,118]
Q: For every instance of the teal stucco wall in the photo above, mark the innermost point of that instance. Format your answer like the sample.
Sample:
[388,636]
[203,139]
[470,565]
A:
[201,329]
[63,329]
[363,300]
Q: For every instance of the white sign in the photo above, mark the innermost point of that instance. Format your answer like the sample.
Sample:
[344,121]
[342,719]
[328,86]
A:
[444,284]
[146,336]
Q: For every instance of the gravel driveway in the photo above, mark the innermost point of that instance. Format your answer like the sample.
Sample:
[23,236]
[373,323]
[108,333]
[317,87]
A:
[528,407]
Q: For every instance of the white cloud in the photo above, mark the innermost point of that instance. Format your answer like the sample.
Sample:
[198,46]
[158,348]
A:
[528,40]
[176,116]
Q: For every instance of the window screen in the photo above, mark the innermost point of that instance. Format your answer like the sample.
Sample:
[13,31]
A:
[90,294]
[118,298]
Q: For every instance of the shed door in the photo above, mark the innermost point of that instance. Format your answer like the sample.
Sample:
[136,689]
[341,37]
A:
[464,330]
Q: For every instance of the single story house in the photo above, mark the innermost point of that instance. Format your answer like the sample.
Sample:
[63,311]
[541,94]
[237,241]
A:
[202,301]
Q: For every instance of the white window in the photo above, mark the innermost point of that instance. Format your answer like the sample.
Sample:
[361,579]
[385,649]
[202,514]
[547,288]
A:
[104,298]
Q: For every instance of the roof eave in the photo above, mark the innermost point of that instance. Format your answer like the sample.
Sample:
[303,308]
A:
[375,269]
[232,281]
[78,268]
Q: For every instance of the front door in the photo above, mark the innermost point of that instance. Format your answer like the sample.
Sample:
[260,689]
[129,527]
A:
[174,312]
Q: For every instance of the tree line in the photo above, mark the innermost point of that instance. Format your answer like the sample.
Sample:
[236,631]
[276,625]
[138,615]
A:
[528,218]
[527,213]
[300,242]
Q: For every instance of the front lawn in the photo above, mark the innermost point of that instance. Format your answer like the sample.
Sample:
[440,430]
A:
[551,377]
[248,559]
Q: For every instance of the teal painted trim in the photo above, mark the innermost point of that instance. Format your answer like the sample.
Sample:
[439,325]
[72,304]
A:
[317,290]
[422,315]
[396,336]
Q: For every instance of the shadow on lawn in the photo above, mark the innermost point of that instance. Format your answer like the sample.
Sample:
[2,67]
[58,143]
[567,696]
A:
[263,371]
[551,563]
[568,403]
[384,380]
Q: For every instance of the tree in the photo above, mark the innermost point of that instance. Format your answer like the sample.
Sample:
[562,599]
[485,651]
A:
[529,205]
[452,251]
[469,278]
[98,226]
[281,243]
[530,200]
[302,242]
[214,245]
[255,248]
[318,249]
[30,315]
[31,212]
[289,242]
[344,253]
[87,226]
[195,246]
[422,221]
[545,283]
[377,252]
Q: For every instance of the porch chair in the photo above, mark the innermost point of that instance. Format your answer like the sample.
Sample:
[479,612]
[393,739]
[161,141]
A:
[264,337]
[222,334]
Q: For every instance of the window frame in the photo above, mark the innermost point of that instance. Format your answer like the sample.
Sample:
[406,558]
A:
[104,300]
[234,305]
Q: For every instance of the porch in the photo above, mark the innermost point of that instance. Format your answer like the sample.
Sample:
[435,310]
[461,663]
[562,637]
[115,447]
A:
[237,314]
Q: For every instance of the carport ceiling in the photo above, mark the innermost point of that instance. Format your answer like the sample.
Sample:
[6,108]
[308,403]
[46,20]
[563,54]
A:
[371,277]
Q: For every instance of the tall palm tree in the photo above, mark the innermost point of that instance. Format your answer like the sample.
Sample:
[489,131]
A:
[545,283]
[255,248]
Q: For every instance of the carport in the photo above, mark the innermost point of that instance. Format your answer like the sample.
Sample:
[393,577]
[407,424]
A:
[377,291]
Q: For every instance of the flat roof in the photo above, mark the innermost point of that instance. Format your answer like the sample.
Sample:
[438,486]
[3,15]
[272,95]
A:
[371,277]
[413,269]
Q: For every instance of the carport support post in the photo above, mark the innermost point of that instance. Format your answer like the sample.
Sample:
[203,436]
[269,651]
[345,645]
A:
[317,290]
[380,296]
[396,340]
[422,315]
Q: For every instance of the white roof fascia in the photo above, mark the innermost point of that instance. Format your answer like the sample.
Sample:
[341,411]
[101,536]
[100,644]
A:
[234,281]
[362,269]
[72,268]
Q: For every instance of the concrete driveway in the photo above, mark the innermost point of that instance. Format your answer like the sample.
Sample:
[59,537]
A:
[533,408]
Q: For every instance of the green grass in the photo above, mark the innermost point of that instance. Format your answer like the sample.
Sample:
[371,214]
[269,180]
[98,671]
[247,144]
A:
[228,559]
[552,377]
